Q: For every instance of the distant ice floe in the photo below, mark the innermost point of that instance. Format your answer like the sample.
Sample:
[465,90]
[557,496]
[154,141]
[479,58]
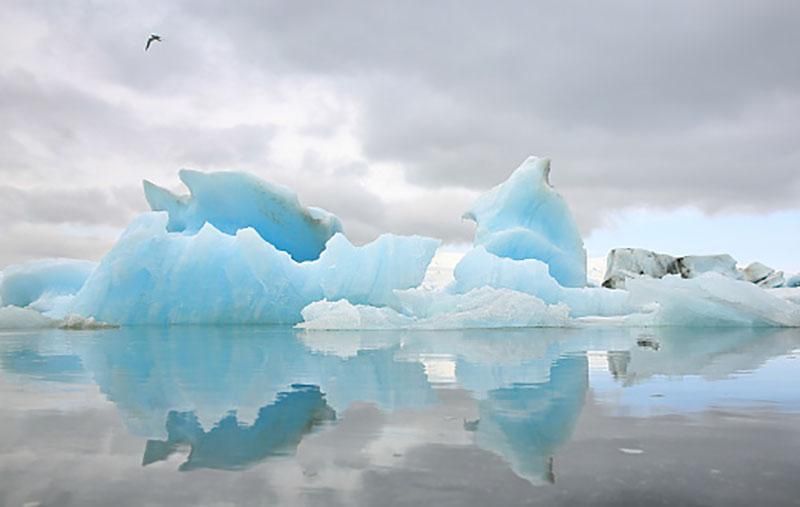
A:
[239,250]
[626,263]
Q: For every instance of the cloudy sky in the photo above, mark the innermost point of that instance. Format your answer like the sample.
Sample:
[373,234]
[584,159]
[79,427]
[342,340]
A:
[671,125]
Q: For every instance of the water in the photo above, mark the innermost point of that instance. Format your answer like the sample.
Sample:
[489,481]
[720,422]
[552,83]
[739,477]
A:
[258,416]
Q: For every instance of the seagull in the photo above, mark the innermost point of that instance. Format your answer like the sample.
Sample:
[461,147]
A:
[151,39]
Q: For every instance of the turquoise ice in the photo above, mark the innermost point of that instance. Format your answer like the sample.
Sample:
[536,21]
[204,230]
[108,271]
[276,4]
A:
[153,276]
[231,201]
[525,218]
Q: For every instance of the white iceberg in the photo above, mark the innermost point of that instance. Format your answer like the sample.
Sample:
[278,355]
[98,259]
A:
[791,294]
[525,218]
[763,276]
[231,201]
[708,301]
[624,263]
[153,276]
[479,268]
[691,266]
[493,292]
[481,308]
[14,317]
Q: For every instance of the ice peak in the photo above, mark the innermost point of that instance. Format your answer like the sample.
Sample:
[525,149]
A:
[231,201]
[540,166]
[525,218]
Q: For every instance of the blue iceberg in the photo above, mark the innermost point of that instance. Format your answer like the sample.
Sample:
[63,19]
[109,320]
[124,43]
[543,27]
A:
[525,218]
[153,276]
[479,268]
[231,201]
[238,250]
[43,285]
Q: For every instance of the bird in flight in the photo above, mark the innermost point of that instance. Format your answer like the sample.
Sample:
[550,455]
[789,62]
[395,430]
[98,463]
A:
[151,39]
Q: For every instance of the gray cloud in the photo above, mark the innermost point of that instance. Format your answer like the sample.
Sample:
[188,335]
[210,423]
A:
[686,100]
[90,206]
[671,104]
[24,241]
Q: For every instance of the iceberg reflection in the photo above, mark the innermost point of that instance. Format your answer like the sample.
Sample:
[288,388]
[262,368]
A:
[526,423]
[229,445]
[149,372]
[711,353]
[232,397]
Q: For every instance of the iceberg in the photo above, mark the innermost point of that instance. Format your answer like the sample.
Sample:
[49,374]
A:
[624,263]
[238,250]
[42,284]
[690,266]
[231,201]
[479,268]
[481,308]
[153,276]
[525,218]
[710,300]
[791,294]
[494,292]
[14,317]
[763,276]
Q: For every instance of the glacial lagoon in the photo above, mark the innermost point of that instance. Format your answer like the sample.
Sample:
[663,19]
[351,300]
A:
[188,415]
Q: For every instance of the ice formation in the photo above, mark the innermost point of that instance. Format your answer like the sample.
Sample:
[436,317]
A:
[153,276]
[39,284]
[525,218]
[485,307]
[14,317]
[480,268]
[690,266]
[231,201]
[495,292]
[238,250]
[763,276]
[710,300]
[626,263]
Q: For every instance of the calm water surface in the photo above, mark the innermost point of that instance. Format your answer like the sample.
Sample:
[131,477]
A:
[259,416]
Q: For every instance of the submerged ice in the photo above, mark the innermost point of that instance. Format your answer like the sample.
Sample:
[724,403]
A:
[238,250]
